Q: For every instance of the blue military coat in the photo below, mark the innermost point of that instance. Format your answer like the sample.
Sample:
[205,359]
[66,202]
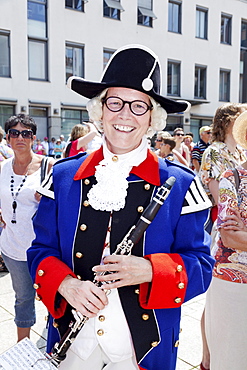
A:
[68,229]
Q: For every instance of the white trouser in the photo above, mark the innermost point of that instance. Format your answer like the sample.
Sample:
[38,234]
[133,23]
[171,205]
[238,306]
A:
[97,361]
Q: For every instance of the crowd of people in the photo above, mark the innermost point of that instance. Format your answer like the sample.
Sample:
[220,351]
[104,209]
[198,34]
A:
[105,176]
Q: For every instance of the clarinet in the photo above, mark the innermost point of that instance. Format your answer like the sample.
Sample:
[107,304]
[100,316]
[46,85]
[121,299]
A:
[133,236]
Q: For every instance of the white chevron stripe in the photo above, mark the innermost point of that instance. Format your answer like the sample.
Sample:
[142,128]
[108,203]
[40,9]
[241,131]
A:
[196,198]
[45,188]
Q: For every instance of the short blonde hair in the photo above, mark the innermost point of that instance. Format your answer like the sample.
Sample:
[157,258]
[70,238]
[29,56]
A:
[158,114]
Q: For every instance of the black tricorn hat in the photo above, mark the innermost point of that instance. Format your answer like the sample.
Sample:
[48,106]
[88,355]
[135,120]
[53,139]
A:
[134,67]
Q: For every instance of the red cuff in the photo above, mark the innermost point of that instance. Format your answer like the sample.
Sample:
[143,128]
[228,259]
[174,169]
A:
[168,287]
[50,273]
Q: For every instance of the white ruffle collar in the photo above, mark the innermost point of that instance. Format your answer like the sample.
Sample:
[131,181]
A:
[111,174]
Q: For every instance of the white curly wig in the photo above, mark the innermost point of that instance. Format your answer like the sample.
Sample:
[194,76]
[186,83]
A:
[158,114]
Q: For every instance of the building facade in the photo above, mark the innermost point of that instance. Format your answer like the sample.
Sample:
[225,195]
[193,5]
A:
[201,45]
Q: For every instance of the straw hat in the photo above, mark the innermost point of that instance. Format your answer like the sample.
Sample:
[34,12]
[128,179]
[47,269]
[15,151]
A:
[240,130]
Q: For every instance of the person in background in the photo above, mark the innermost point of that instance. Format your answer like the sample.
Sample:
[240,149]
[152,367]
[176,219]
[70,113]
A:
[52,144]
[5,150]
[38,147]
[222,154]
[180,147]
[136,326]
[80,136]
[205,133]
[63,142]
[166,148]
[45,144]
[192,136]
[20,177]
[188,141]
[5,153]
[163,135]
[226,299]
[58,149]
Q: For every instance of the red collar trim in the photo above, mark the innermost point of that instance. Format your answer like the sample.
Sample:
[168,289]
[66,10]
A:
[147,170]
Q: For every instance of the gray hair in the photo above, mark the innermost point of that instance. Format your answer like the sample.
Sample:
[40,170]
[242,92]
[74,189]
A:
[158,114]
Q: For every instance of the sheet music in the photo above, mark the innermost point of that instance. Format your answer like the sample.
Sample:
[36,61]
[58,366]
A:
[24,355]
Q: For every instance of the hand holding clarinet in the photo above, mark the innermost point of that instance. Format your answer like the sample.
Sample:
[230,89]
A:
[119,269]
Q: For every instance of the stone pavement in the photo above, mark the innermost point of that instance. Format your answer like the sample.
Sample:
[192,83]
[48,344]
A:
[189,351]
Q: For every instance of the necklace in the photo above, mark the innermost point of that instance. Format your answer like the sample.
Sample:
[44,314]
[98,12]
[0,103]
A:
[15,195]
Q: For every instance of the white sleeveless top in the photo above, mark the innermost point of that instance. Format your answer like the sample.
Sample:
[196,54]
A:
[16,238]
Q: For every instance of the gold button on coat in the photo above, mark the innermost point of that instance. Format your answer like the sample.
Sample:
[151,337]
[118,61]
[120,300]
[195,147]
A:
[145,317]
[154,344]
[79,255]
[140,209]
[179,268]
[147,186]
[36,286]
[176,343]
[78,277]
[137,291]
[177,300]
[83,227]
[86,182]
[101,318]
[55,324]
[86,203]
[100,332]
[41,272]
[38,298]
[181,285]
[115,158]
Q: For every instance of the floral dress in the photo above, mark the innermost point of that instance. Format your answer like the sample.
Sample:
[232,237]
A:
[231,264]
[216,159]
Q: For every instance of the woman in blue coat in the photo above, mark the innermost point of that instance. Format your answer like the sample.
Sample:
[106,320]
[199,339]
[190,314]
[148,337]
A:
[90,203]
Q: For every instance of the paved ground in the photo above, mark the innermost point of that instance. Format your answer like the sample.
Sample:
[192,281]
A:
[189,352]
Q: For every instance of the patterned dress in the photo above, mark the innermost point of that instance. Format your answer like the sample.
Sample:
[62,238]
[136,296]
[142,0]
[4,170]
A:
[231,264]
[216,159]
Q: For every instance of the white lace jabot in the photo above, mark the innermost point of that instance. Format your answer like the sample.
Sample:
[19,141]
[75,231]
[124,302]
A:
[111,173]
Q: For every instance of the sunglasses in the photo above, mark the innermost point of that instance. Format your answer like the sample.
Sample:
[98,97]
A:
[179,134]
[26,134]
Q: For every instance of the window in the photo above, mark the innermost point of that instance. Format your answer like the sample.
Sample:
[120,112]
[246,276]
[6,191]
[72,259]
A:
[174,16]
[201,23]
[112,8]
[173,78]
[40,115]
[200,82]
[224,85]
[243,64]
[36,14]
[74,60]
[107,54]
[6,111]
[145,13]
[37,59]
[70,118]
[4,54]
[226,29]
[75,4]
[37,39]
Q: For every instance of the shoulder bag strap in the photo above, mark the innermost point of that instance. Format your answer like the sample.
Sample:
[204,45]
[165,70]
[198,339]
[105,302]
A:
[237,183]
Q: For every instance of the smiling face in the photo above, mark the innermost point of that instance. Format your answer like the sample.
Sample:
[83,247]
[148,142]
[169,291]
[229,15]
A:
[124,130]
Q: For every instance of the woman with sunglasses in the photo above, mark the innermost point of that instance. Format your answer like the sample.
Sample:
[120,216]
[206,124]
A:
[180,147]
[20,177]
[91,203]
